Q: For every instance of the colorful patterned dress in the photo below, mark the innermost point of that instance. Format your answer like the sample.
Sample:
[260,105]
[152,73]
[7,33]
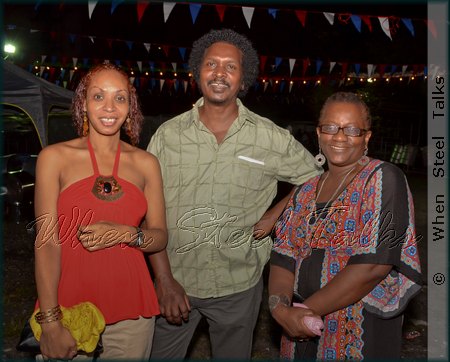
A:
[370,222]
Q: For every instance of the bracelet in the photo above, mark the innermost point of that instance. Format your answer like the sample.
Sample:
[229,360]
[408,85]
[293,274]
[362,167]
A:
[50,315]
[140,238]
[275,300]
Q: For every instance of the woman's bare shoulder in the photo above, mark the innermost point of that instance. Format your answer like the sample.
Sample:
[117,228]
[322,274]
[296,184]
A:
[62,150]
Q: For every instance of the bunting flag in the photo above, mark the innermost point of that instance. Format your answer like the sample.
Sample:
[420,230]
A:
[367,21]
[278,61]
[262,62]
[393,68]
[381,69]
[129,44]
[91,7]
[74,61]
[332,64]
[432,26]
[318,65]
[384,22]
[301,16]
[182,52]
[161,84]
[71,74]
[174,66]
[344,69]
[114,5]
[38,4]
[165,49]
[266,84]
[357,69]
[248,14]
[291,65]
[356,20]
[273,12]
[147,47]
[370,70]
[185,84]
[167,9]
[290,86]
[408,23]
[305,66]
[329,17]
[404,69]
[140,7]
[92,39]
[221,11]
[43,57]
[41,70]
[139,64]
[194,9]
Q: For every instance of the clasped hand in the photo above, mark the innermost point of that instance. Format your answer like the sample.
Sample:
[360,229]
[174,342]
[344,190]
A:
[173,302]
[100,235]
[292,319]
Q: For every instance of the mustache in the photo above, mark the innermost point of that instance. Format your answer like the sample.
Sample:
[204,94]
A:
[219,81]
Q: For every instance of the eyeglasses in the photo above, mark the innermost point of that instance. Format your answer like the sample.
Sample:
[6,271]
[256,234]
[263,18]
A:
[348,131]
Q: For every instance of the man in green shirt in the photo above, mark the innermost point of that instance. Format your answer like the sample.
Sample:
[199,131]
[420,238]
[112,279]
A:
[220,164]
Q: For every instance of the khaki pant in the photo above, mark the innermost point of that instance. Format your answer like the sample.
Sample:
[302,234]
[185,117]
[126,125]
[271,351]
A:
[128,339]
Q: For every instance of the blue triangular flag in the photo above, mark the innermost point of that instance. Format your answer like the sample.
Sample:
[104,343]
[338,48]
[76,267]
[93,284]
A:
[357,68]
[273,12]
[195,9]
[356,22]
[72,38]
[318,65]
[278,61]
[114,5]
[408,23]
[182,52]
[129,43]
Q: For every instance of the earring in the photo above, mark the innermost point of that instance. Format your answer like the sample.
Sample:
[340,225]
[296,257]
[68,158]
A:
[85,125]
[364,160]
[128,129]
[320,158]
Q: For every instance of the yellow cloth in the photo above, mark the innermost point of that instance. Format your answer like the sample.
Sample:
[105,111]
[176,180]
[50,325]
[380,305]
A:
[84,321]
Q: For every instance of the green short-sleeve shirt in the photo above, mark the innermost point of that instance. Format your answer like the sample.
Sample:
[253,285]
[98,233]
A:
[215,194]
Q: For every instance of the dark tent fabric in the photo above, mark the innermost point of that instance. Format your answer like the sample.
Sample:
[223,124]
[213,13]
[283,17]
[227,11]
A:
[34,96]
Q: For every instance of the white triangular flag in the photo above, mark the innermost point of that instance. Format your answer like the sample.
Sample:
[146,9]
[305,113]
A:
[41,70]
[384,22]
[161,84]
[139,63]
[92,39]
[185,84]
[341,82]
[329,17]
[132,79]
[332,64]
[404,69]
[91,7]
[248,14]
[174,66]
[291,64]
[147,47]
[71,74]
[290,86]
[167,8]
[266,84]
[43,57]
[370,69]
[74,61]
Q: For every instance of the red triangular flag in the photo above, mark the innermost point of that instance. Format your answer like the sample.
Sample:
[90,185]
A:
[344,69]
[262,62]
[301,15]
[165,48]
[141,6]
[366,20]
[381,68]
[432,27]
[221,11]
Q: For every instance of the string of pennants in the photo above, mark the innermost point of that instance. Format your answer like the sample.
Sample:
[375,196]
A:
[307,69]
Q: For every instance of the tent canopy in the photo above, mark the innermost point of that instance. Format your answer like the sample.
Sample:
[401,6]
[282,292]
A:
[34,96]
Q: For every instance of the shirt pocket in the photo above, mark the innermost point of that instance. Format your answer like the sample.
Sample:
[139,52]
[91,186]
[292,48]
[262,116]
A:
[249,173]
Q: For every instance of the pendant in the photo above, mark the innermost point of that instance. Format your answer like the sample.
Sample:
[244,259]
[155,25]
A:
[107,188]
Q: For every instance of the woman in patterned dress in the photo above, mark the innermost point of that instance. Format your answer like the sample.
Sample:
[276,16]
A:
[345,247]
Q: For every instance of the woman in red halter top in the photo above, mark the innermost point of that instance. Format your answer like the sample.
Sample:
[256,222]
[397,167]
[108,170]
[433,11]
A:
[92,194]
